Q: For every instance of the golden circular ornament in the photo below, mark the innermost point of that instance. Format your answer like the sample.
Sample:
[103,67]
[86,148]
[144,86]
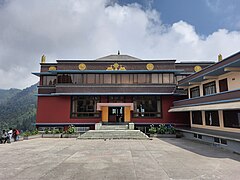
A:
[197,68]
[52,68]
[150,66]
[82,66]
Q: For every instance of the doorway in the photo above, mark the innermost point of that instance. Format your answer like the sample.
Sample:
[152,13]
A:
[116,114]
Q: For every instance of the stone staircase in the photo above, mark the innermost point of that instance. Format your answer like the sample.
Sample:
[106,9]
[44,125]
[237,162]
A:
[114,127]
[113,132]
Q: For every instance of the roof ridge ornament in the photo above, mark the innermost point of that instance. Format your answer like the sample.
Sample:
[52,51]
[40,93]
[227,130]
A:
[219,57]
[43,59]
[116,67]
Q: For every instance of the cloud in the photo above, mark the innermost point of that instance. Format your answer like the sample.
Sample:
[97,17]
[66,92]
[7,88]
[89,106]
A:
[79,29]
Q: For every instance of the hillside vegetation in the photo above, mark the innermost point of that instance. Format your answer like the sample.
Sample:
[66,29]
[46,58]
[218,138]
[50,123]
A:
[18,108]
[7,94]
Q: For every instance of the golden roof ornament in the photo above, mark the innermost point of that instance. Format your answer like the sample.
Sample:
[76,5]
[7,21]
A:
[82,66]
[150,66]
[197,68]
[219,57]
[110,68]
[122,68]
[116,67]
[52,68]
[43,59]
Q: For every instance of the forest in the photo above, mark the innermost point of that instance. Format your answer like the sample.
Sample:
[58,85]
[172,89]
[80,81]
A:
[18,108]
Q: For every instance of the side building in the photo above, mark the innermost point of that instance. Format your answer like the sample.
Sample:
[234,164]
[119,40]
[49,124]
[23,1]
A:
[213,103]
[111,89]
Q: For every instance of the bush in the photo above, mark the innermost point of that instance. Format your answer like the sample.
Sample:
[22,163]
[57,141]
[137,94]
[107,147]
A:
[152,129]
[29,133]
[162,129]
[171,130]
[34,132]
[46,131]
[56,131]
[61,130]
[70,130]
[26,133]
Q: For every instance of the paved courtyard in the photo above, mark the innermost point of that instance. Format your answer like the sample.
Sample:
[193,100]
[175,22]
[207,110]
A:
[116,159]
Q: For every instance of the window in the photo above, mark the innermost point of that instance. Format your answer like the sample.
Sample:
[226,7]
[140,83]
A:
[180,77]
[65,78]
[141,78]
[220,141]
[212,118]
[216,140]
[231,118]
[165,78]
[147,106]
[84,106]
[155,78]
[209,88]
[107,78]
[195,92]
[49,80]
[223,85]
[125,79]
[197,117]
[91,78]
[198,136]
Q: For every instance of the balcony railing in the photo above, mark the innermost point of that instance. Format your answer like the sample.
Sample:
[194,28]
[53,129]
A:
[228,95]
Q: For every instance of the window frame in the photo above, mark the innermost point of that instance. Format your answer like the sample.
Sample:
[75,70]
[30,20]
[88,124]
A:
[209,85]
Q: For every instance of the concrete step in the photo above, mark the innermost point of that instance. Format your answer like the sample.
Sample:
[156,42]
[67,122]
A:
[113,134]
[114,127]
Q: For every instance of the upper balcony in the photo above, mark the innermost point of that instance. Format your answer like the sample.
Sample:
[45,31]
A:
[227,96]
[68,89]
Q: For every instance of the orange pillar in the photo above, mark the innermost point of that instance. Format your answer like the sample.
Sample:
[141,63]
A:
[127,114]
[104,113]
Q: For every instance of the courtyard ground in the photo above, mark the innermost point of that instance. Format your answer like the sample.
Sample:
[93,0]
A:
[116,159]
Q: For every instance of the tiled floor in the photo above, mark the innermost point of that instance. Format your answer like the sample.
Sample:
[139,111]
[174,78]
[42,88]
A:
[116,159]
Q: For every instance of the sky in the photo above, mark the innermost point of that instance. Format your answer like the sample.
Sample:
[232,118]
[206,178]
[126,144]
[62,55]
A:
[185,30]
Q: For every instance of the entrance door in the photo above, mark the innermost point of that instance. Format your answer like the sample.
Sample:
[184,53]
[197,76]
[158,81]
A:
[116,114]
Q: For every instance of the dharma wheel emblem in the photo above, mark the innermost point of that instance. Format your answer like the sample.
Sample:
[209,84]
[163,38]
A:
[52,68]
[150,66]
[82,66]
[116,67]
[197,68]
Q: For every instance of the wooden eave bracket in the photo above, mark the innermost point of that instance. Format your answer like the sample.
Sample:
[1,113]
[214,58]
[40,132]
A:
[209,77]
[235,69]
[194,83]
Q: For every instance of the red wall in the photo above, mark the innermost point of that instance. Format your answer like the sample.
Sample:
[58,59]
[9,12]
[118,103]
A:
[57,110]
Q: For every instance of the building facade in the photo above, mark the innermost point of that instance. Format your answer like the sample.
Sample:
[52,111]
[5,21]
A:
[214,96]
[111,89]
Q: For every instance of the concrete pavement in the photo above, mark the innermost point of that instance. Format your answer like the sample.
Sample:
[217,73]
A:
[116,159]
